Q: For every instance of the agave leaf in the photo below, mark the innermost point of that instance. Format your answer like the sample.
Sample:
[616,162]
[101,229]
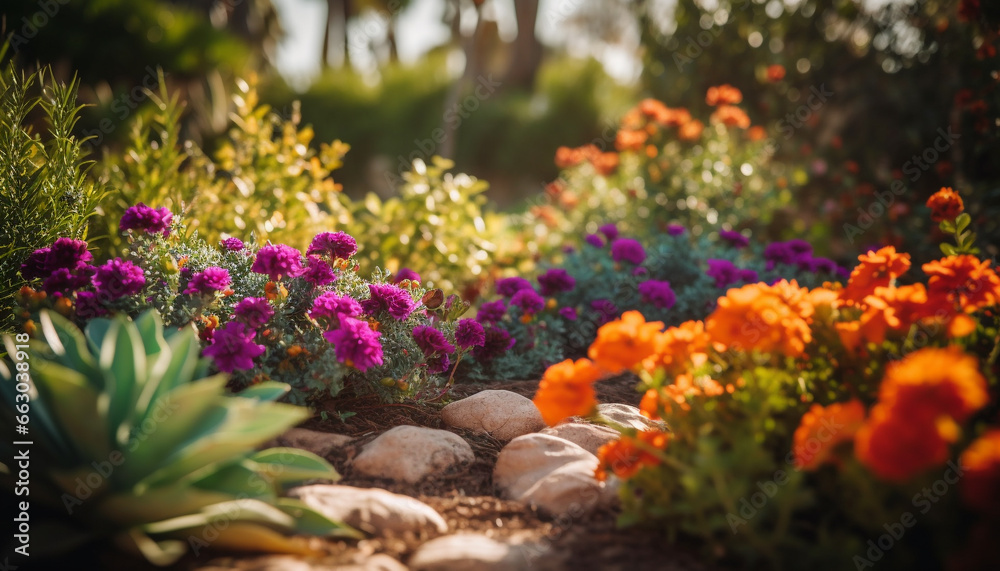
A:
[70,347]
[158,358]
[253,537]
[239,479]
[95,331]
[163,552]
[44,428]
[139,508]
[75,406]
[312,522]
[266,391]
[176,419]
[245,510]
[293,465]
[245,427]
[123,359]
[150,329]
[184,353]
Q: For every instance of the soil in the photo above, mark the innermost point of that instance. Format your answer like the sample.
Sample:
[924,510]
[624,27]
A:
[467,500]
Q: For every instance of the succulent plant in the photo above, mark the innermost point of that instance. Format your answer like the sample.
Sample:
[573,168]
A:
[136,445]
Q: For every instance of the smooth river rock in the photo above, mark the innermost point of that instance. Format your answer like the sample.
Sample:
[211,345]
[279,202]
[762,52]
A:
[503,414]
[412,453]
[371,510]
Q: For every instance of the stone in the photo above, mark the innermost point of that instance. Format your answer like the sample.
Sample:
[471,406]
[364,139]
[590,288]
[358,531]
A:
[371,510]
[377,562]
[319,443]
[279,563]
[505,415]
[472,552]
[552,474]
[588,436]
[629,416]
[412,453]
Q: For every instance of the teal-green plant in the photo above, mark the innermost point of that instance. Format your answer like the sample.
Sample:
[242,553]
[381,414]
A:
[136,445]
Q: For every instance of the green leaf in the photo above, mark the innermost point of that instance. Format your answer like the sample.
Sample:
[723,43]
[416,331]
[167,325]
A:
[947,226]
[312,522]
[266,391]
[287,465]
[75,406]
[239,479]
[962,222]
[70,347]
[948,249]
[123,359]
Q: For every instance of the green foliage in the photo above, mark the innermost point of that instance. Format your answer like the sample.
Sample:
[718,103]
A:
[264,179]
[44,191]
[138,445]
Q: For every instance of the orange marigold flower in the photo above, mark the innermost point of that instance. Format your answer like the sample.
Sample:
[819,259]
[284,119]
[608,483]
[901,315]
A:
[896,447]
[775,73]
[566,390]
[822,429]
[630,140]
[691,131]
[678,117]
[945,204]
[935,382]
[654,109]
[964,281]
[850,335]
[723,94]
[981,462]
[605,163]
[678,346]
[731,116]
[756,133]
[877,269]
[773,318]
[625,456]
[625,342]
[567,157]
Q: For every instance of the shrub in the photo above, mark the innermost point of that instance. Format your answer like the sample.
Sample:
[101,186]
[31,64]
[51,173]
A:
[137,445]
[262,313]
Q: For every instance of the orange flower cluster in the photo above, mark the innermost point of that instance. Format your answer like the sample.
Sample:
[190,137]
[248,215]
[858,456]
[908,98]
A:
[567,389]
[822,429]
[981,462]
[773,318]
[922,400]
[678,347]
[731,116]
[775,73]
[604,163]
[646,120]
[625,456]
[965,281]
[876,269]
[625,343]
[723,95]
[945,204]
[685,385]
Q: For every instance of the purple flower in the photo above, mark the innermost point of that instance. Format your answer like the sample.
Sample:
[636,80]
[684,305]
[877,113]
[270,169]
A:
[606,310]
[67,253]
[491,311]
[556,280]
[438,364]
[336,307]
[734,238]
[507,287]
[749,276]
[355,344]
[334,244]
[528,300]
[627,250]
[63,281]
[639,271]
[36,265]
[610,231]
[675,229]
[723,271]
[208,281]
[278,261]
[594,240]
[800,247]
[431,341]
[232,244]
[568,249]
[254,311]
[146,219]
[821,265]
[405,274]
[387,297]
[568,313]
[318,272]
[657,293]
[118,278]
[469,333]
[88,306]
[496,342]
[233,347]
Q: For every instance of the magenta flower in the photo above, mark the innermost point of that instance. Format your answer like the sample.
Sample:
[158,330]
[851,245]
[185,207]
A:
[627,250]
[431,341]
[333,244]
[208,281]
[67,253]
[355,344]
[254,311]
[146,219]
[118,278]
[528,300]
[88,306]
[724,272]
[734,238]
[507,287]
[822,265]
[233,347]
[594,240]
[405,274]
[438,364]
[675,229]
[657,293]
[748,276]
[36,265]
[278,261]
[606,310]
[639,271]
[556,280]
[469,333]
[318,272]
[392,299]
[496,342]
[792,253]
[568,313]
[491,311]
[334,307]
[610,231]
[232,244]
